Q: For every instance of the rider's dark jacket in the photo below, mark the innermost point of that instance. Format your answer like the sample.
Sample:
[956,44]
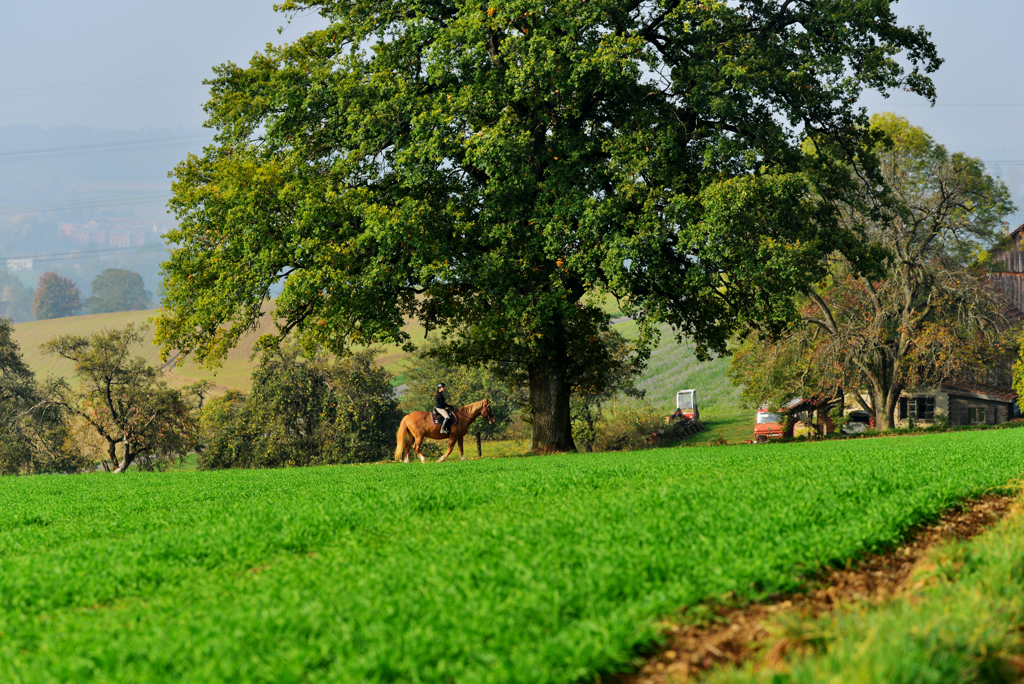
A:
[439,400]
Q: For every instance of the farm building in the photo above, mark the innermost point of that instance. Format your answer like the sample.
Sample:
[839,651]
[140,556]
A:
[1010,262]
[961,403]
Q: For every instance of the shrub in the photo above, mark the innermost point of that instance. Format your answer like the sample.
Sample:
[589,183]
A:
[303,412]
[629,428]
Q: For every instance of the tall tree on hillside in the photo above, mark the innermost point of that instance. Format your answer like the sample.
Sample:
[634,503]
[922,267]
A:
[56,297]
[485,169]
[17,296]
[932,316]
[117,289]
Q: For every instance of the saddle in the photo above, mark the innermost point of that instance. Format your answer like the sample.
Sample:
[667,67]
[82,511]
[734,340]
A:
[439,420]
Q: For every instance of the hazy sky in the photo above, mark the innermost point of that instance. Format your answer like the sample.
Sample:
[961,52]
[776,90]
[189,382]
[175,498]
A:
[126,64]
[136,64]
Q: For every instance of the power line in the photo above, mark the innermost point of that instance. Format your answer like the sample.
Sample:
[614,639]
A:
[44,91]
[63,255]
[83,203]
[94,254]
[88,83]
[102,148]
[99,90]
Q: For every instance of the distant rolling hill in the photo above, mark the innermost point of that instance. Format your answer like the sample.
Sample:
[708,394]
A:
[672,366]
[235,373]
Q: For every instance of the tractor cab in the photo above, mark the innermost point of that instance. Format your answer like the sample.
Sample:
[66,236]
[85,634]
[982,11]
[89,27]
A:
[686,404]
[686,416]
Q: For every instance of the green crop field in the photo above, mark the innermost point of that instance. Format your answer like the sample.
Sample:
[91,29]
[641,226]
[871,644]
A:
[549,569]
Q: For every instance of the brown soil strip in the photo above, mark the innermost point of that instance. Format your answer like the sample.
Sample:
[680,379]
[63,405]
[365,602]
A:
[737,634]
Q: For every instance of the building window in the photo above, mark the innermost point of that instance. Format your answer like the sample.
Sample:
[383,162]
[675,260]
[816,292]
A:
[920,409]
[976,415]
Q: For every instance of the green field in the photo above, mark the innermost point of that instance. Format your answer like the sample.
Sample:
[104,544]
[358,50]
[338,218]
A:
[550,569]
[961,621]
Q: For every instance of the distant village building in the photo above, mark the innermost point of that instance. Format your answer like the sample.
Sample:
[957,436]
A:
[107,232]
[19,264]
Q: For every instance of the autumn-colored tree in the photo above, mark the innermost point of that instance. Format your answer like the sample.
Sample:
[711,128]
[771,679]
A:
[931,315]
[123,399]
[56,297]
[486,170]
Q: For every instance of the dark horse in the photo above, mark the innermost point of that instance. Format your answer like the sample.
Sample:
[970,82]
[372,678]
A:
[419,425]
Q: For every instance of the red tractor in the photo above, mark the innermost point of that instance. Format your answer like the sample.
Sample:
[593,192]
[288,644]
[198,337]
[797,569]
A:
[767,425]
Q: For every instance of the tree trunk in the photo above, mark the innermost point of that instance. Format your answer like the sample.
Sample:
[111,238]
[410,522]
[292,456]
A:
[479,448]
[112,453]
[549,399]
[126,460]
[885,407]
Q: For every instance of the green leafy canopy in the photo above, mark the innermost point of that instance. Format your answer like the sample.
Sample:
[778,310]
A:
[488,168]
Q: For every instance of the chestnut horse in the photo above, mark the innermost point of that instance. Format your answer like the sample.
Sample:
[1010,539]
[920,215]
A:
[419,425]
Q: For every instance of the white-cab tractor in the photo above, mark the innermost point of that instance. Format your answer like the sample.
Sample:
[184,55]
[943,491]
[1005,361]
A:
[686,419]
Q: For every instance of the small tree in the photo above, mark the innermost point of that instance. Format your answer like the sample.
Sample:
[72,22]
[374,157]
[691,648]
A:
[33,429]
[117,289]
[56,297]
[123,400]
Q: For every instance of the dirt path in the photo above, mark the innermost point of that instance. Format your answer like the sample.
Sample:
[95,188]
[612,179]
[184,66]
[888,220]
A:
[738,634]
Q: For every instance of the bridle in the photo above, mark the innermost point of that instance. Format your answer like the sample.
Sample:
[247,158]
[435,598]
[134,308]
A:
[487,414]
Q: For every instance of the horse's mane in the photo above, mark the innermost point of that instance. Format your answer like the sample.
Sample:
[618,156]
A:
[469,408]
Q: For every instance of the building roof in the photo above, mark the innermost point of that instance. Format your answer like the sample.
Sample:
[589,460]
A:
[814,403]
[975,389]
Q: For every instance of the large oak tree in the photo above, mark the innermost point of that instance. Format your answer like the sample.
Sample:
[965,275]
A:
[487,167]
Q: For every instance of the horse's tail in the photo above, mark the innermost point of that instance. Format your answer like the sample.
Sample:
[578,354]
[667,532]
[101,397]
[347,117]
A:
[402,432]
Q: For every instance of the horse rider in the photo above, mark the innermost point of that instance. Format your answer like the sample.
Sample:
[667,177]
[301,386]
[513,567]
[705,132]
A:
[441,406]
